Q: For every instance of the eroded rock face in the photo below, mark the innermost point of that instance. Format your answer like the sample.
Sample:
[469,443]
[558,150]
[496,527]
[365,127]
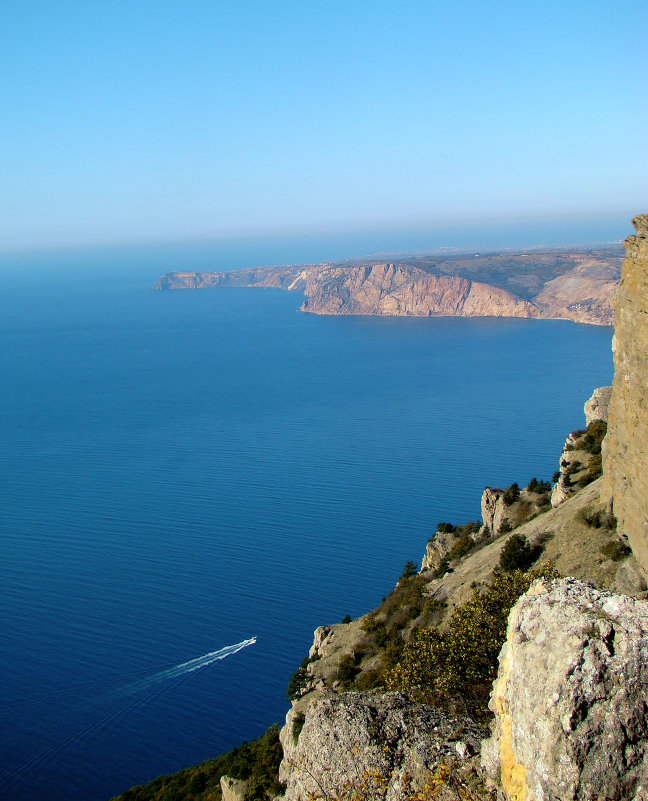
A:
[625,455]
[353,739]
[500,517]
[585,294]
[571,697]
[390,289]
[437,550]
[232,789]
[598,406]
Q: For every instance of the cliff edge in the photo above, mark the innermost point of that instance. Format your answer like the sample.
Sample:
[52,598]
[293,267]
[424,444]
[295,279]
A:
[625,453]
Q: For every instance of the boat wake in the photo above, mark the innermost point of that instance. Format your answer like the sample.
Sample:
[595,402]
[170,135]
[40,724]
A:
[166,679]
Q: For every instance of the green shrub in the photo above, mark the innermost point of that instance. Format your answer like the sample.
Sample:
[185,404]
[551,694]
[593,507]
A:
[380,637]
[347,670]
[595,465]
[299,678]
[539,487]
[517,554]
[445,528]
[346,619]
[511,494]
[408,571]
[298,725]
[616,550]
[368,680]
[370,622]
[590,518]
[505,527]
[462,546]
[556,477]
[454,667]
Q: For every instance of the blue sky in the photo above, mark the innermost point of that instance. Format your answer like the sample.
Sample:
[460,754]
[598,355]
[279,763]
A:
[144,121]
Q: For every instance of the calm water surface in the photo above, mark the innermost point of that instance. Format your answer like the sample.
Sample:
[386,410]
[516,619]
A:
[182,471]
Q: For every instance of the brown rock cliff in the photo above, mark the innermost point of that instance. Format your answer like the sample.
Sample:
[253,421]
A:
[390,289]
[625,455]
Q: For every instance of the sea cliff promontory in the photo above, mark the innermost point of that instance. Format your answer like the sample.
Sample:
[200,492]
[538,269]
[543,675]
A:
[625,455]
[575,285]
[499,672]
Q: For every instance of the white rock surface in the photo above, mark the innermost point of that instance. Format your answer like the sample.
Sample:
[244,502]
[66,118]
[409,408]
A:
[348,741]
[596,407]
[232,789]
[571,697]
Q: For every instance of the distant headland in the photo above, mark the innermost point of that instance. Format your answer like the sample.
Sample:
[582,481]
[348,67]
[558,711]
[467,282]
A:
[573,284]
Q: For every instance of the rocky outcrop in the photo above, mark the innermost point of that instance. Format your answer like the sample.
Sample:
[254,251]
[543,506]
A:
[502,513]
[391,289]
[569,463]
[381,746]
[625,458]
[598,405]
[580,461]
[232,789]
[570,698]
[437,550]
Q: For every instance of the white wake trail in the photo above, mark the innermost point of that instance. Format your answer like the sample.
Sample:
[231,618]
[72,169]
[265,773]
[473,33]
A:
[192,665]
[172,675]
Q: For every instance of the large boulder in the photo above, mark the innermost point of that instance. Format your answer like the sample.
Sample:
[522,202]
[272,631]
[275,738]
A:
[571,697]
[381,746]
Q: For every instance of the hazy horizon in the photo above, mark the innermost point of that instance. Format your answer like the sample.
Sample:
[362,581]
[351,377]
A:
[352,244]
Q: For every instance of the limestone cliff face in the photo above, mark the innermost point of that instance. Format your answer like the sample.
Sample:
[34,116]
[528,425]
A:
[363,745]
[597,407]
[390,289]
[576,285]
[570,697]
[380,289]
[625,455]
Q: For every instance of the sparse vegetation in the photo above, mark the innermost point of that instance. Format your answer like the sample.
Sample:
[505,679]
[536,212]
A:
[518,554]
[454,667]
[597,518]
[539,487]
[299,678]
[616,550]
[408,571]
[512,494]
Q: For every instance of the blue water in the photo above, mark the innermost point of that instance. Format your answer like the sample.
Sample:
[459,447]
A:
[183,471]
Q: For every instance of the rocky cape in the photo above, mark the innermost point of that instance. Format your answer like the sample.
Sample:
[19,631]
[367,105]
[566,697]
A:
[578,285]
[569,702]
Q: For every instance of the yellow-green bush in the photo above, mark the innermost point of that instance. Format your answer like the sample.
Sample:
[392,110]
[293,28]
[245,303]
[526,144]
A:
[454,667]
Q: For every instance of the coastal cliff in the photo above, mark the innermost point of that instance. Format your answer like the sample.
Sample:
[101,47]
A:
[625,457]
[394,705]
[579,286]
[390,289]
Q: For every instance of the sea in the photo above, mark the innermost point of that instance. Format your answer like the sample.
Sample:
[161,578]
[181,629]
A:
[192,482]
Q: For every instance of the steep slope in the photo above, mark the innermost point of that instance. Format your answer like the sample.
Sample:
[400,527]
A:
[390,289]
[625,458]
